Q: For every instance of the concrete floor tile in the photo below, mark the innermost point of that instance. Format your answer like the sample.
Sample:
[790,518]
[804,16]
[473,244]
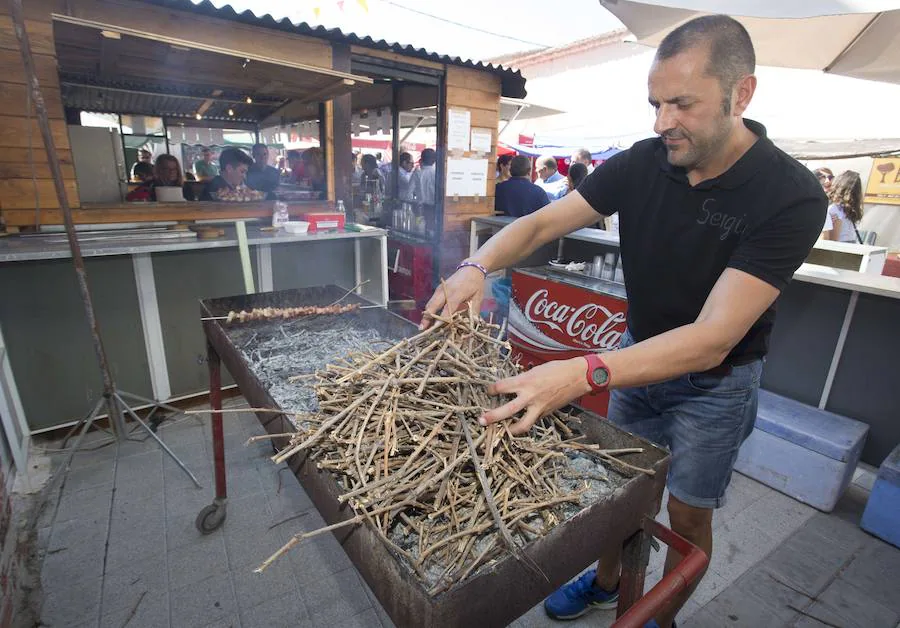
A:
[777,515]
[124,585]
[287,611]
[739,609]
[232,621]
[89,503]
[843,604]
[88,477]
[134,471]
[367,619]
[737,546]
[876,570]
[200,603]
[147,609]
[79,561]
[537,618]
[252,588]
[99,452]
[183,432]
[317,558]
[135,545]
[837,530]
[243,482]
[189,499]
[75,532]
[76,602]
[703,619]
[249,547]
[248,511]
[809,622]
[769,588]
[181,530]
[333,599]
[807,561]
[144,495]
[140,443]
[129,519]
[687,611]
[740,496]
[196,562]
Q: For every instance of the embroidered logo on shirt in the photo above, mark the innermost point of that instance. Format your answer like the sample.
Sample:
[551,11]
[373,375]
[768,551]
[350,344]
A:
[726,223]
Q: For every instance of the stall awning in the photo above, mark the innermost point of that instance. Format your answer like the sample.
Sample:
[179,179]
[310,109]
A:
[109,68]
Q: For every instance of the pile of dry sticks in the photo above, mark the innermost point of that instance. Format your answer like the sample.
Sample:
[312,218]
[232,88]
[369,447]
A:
[448,496]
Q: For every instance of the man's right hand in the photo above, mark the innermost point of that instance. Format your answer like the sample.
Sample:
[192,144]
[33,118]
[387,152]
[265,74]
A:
[466,284]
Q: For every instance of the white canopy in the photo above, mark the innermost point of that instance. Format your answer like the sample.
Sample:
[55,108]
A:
[859,38]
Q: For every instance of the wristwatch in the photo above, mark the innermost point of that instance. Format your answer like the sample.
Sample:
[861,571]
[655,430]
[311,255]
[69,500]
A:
[597,373]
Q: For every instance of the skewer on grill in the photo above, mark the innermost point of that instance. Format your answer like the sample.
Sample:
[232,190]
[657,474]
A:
[272,313]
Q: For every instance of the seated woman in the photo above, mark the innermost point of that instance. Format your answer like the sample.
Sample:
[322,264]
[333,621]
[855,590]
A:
[230,185]
[166,173]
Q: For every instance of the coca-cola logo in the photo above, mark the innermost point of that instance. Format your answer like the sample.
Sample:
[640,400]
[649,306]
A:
[590,325]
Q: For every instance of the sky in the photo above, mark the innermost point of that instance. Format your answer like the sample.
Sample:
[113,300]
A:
[472,29]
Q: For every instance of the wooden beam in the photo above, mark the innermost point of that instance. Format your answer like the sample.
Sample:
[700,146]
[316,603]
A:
[341,111]
[196,45]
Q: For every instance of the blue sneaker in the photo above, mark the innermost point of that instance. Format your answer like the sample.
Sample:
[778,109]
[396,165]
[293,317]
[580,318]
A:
[578,597]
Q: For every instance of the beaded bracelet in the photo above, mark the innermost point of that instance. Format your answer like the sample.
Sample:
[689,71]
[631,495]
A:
[465,263]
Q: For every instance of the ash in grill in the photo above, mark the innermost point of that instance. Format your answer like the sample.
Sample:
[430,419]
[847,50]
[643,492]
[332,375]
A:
[277,350]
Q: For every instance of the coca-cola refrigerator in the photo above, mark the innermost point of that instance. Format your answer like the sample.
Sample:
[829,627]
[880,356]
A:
[556,314]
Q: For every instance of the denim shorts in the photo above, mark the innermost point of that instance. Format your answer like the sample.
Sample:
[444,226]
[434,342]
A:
[701,418]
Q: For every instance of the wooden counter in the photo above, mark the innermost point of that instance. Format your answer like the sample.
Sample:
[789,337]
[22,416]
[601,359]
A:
[158,212]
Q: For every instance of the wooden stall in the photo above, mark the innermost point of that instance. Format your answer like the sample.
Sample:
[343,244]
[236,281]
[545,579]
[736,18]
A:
[198,69]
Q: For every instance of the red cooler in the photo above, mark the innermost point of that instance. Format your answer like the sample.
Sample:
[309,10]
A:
[556,314]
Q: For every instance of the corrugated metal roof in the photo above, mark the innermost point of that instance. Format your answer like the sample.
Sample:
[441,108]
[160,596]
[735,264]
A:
[512,81]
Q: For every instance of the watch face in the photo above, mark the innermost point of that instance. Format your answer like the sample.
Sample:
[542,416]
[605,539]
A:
[600,376]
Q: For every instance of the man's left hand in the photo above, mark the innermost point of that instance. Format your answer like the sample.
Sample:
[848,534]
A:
[539,391]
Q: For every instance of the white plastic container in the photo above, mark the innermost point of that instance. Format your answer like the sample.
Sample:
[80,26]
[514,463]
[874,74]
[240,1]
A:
[169,194]
[295,226]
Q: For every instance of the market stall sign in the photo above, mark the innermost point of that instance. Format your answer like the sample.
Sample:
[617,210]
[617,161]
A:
[884,181]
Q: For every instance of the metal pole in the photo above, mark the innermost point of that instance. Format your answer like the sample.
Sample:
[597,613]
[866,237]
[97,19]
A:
[53,161]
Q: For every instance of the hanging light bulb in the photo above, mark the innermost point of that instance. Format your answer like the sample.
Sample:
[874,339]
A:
[249,100]
[231,112]
[198,116]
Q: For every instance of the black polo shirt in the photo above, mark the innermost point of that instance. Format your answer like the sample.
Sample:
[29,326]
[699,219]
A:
[762,216]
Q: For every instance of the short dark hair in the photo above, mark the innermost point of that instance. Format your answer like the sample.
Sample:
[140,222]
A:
[259,145]
[520,166]
[429,157]
[234,157]
[404,157]
[731,54]
[577,173]
[503,160]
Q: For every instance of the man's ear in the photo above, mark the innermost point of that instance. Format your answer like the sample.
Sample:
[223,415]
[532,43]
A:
[742,94]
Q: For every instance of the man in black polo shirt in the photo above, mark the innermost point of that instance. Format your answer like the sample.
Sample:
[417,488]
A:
[518,196]
[714,220]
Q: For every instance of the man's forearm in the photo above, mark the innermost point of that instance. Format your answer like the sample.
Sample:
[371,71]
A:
[686,349]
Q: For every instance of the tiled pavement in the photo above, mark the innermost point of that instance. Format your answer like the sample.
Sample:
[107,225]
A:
[121,550]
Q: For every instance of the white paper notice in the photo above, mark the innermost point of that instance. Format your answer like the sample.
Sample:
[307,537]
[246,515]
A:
[477,177]
[467,177]
[481,140]
[458,126]
[457,177]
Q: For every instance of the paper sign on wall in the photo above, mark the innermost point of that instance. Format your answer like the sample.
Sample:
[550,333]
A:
[459,122]
[467,177]
[481,140]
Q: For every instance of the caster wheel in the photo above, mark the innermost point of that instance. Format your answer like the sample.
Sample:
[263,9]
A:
[211,518]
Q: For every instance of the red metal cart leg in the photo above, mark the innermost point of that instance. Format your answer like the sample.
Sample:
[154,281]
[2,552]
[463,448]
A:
[636,610]
[212,517]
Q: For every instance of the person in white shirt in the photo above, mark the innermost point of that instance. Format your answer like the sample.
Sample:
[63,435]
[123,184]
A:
[422,182]
[845,208]
[549,179]
[404,178]
[583,156]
